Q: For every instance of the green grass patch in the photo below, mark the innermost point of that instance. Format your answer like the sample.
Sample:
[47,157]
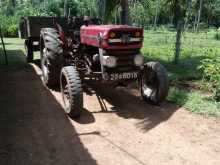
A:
[160,46]
[194,102]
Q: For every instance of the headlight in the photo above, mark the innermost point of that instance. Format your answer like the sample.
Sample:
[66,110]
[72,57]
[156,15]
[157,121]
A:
[137,34]
[139,60]
[109,61]
[112,35]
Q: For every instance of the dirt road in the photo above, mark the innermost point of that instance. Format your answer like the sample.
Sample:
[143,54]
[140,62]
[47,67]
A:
[116,128]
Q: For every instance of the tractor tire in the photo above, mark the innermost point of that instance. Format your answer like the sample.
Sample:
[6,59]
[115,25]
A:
[51,56]
[154,83]
[71,89]
[28,45]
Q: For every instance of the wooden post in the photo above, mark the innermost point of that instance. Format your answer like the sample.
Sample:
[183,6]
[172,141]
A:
[178,43]
[3,45]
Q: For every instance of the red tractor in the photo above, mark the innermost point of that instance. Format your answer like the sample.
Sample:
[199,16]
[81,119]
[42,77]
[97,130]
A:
[80,51]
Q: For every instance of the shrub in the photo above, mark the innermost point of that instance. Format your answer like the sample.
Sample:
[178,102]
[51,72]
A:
[217,36]
[12,31]
[194,102]
[9,25]
[211,75]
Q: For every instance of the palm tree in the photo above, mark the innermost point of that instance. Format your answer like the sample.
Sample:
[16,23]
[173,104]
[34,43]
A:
[156,13]
[124,12]
[65,8]
[109,7]
[188,14]
[13,2]
[199,14]
[178,8]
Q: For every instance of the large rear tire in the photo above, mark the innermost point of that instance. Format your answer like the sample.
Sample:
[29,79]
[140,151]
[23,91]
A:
[51,56]
[71,89]
[154,83]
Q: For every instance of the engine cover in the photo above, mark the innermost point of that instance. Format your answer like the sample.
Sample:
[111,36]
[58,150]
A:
[112,36]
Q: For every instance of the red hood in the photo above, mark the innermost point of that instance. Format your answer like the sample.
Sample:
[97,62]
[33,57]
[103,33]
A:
[107,28]
[90,34]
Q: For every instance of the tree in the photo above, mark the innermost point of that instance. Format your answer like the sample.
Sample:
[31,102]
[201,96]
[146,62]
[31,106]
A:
[124,12]
[65,8]
[109,7]
[13,2]
[188,13]
[156,13]
[178,8]
[199,14]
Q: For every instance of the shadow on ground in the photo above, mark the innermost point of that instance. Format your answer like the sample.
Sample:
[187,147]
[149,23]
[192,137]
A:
[130,106]
[33,126]
[35,129]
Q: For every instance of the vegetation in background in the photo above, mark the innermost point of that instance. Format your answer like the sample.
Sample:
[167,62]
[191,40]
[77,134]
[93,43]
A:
[143,13]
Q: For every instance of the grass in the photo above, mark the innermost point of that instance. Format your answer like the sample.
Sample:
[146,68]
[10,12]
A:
[195,47]
[159,46]
[15,53]
[195,102]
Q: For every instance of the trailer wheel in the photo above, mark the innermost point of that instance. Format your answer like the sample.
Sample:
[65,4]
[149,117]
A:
[51,56]
[154,83]
[28,45]
[71,89]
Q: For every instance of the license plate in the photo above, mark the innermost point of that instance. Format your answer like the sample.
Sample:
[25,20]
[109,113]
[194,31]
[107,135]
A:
[123,76]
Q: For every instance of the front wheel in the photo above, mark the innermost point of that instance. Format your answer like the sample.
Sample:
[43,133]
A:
[154,83]
[71,90]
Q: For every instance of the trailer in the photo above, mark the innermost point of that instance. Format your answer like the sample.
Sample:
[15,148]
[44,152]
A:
[29,29]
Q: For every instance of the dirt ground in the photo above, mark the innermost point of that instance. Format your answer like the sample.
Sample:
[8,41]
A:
[116,128]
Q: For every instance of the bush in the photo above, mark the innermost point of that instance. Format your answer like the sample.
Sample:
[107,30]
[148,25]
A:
[211,75]
[217,36]
[217,93]
[12,31]
[9,25]
[194,102]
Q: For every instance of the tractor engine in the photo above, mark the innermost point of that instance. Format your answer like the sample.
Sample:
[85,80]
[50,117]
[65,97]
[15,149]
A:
[114,50]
